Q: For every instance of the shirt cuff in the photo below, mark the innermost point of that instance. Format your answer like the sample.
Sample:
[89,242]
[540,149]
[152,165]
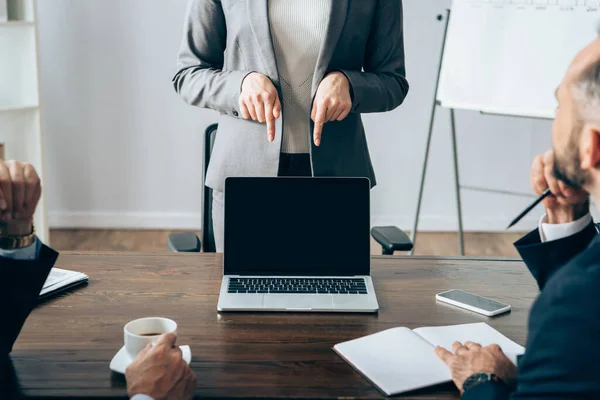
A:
[28,253]
[141,397]
[551,232]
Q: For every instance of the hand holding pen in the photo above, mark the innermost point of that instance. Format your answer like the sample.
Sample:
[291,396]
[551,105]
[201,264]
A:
[563,203]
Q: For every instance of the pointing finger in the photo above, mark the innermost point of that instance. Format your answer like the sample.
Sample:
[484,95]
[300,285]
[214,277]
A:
[318,132]
[319,122]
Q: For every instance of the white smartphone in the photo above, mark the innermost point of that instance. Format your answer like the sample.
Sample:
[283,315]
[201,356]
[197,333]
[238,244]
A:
[468,301]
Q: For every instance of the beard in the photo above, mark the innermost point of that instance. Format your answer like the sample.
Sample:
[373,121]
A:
[568,168]
[573,176]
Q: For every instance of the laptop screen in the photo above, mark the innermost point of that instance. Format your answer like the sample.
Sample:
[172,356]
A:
[297,226]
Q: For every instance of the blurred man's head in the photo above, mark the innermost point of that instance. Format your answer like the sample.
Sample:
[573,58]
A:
[576,132]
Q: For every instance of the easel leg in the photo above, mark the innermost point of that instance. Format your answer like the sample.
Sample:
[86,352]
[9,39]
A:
[461,242]
[413,233]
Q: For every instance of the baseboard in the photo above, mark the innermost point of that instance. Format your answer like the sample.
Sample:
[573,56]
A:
[444,223]
[176,221]
[124,220]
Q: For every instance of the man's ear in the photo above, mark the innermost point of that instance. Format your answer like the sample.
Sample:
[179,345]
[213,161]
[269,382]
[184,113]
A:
[589,147]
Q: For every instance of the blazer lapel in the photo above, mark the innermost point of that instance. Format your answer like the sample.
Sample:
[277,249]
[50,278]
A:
[258,14]
[337,20]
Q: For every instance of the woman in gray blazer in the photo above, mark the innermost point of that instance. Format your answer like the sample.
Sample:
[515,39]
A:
[290,79]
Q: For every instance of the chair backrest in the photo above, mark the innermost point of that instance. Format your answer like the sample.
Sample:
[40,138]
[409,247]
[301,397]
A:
[208,236]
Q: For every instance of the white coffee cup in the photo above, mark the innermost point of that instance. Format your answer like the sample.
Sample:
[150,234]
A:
[138,333]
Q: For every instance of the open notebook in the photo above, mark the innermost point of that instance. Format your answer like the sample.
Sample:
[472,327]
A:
[61,279]
[400,360]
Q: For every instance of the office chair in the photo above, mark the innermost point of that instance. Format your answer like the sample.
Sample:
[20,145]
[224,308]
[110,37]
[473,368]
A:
[390,238]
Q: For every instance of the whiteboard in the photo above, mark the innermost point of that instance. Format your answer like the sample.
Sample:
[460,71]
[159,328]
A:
[509,56]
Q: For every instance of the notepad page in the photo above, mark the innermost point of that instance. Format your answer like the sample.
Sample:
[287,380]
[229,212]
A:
[480,333]
[59,278]
[396,360]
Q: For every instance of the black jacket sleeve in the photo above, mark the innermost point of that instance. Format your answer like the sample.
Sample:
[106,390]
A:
[20,287]
[544,259]
[556,365]
[561,361]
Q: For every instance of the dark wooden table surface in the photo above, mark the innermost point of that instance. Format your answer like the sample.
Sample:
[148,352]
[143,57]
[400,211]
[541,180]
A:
[67,343]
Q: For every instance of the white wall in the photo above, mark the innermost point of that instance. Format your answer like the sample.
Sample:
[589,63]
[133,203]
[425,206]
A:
[124,151]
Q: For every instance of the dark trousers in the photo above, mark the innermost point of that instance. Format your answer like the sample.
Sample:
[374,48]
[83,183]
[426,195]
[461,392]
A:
[294,165]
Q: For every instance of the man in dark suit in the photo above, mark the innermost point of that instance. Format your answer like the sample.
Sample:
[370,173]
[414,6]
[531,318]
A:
[22,278]
[158,373]
[563,254]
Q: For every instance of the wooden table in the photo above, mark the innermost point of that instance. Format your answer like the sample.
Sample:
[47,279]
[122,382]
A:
[67,343]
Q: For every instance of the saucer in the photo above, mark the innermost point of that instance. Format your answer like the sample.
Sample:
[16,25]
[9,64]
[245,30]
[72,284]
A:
[122,359]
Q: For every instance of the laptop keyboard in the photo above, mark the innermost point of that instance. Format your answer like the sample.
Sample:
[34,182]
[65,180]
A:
[297,286]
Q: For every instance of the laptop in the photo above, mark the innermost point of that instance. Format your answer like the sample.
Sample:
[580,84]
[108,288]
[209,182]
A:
[297,245]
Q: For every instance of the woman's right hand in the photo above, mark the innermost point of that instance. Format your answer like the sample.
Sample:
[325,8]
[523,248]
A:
[260,102]
[566,203]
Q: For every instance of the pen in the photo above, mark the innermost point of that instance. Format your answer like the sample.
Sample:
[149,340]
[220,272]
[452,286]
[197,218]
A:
[531,207]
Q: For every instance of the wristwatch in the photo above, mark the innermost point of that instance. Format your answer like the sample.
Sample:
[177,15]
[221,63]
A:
[12,242]
[478,379]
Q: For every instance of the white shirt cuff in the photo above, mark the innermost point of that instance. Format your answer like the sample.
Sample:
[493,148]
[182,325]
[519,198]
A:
[550,232]
[28,253]
[141,397]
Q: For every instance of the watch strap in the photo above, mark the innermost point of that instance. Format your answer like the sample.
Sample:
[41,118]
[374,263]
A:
[479,378]
[10,242]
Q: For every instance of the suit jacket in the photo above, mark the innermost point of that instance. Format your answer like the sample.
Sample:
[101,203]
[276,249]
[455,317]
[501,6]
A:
[20,286]
[224,40]
[562,354]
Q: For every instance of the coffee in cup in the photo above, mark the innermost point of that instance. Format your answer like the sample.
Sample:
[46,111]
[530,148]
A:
[138,333]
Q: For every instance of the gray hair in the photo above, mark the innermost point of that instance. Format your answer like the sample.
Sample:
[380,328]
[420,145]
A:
[587,92]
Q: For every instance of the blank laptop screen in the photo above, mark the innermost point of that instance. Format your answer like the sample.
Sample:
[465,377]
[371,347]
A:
[297,226]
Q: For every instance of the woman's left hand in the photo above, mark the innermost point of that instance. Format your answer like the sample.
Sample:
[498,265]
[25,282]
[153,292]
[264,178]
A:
[332,102]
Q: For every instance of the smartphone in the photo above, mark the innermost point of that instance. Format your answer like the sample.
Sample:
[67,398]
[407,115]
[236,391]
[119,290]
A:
[468,301]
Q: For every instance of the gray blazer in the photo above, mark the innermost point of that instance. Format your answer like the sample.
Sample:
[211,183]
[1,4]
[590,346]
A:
[224,40]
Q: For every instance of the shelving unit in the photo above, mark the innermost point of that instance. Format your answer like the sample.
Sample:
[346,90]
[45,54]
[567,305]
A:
[20,113]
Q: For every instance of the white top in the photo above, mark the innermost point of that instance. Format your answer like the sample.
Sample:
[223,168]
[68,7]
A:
[141,397]
[550,232]
[298,28]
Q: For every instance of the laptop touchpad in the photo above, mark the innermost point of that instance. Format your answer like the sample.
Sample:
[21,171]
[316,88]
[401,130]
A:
[300,301]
